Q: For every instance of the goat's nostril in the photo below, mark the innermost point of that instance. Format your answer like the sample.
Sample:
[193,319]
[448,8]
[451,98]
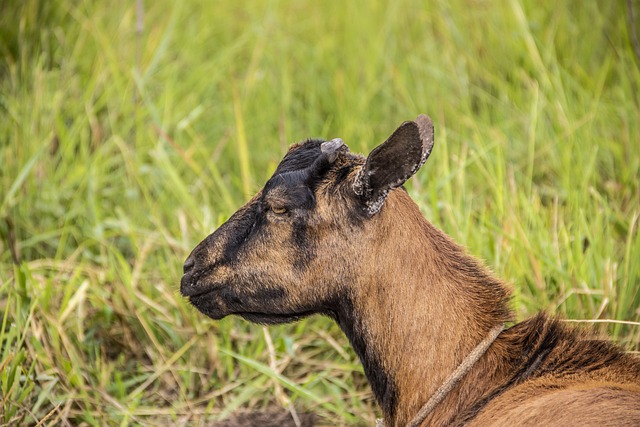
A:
[188,265]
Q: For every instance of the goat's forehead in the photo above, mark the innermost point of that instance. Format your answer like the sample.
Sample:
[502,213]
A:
[300,156]
[293,170]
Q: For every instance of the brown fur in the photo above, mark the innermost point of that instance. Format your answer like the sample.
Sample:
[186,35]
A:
[412,303]
[424,328]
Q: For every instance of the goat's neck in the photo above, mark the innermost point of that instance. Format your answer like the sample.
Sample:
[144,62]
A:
[423,306]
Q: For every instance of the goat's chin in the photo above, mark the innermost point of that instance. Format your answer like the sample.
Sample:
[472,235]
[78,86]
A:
[273,318]
[213,314]
[209,306]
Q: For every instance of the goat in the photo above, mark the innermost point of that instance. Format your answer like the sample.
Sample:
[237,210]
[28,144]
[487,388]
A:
[336,234]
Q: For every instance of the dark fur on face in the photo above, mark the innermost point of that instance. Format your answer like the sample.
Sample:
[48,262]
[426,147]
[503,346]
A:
[235,270]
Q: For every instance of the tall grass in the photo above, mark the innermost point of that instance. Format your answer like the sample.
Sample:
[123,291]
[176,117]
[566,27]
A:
[122,147]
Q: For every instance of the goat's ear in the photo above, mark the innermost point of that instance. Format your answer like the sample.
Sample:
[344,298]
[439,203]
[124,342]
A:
[394,161]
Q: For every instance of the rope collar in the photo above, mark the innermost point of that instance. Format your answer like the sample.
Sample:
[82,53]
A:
[463,368]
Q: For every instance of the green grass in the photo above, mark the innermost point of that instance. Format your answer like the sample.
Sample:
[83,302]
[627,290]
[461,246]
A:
[120,150]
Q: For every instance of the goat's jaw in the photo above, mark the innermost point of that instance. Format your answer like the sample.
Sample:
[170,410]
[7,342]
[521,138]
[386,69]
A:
[260,306]
[215,307]
[273,318]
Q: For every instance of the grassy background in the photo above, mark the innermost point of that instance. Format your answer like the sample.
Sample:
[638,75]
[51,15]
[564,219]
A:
[124,143]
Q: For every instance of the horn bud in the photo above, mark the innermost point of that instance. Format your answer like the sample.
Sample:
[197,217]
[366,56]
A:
[330,148]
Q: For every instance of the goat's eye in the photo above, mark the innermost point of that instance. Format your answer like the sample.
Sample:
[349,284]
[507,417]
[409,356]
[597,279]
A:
[279,210]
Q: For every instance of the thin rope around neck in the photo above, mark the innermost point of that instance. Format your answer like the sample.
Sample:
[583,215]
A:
[463,368]
[453,379]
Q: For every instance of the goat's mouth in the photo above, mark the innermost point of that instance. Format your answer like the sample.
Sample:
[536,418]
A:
[196,293]
[217,310]
[218,301]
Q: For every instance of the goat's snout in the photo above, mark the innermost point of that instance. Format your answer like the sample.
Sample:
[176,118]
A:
[189,284]
[189,263]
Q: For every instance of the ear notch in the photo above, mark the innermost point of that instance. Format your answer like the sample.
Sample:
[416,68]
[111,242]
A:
[394,161]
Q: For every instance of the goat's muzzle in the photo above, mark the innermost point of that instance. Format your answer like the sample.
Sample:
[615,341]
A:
[189,263]
[202,293]
[193,284]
